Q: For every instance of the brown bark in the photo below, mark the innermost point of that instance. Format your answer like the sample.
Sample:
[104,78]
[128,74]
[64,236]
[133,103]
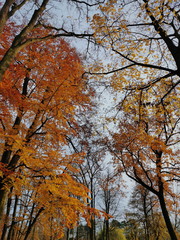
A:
[32,223]
[4,13]
[161,196]
[19,42]
[13,223]
[5,227]
[3,197]
[167,218]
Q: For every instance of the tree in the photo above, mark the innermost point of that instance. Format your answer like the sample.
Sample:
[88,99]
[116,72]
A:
[40,16]
[116,233]
[90,170]
[109,195]
[143,212]
[41,91]
[148,160]
[141,206]
[145,48]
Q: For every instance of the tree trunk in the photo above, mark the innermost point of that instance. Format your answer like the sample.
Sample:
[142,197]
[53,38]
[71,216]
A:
[107,229]
[3,200]
[4,13]
[5,227]
[67,234]
[167,218]
[31,225]
[160,195]
[13,223]
[146,223]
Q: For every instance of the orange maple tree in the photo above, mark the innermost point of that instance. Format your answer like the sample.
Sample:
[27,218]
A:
[41,92]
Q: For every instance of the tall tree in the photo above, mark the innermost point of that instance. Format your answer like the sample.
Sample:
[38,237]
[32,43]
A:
[90,169]
[41,91]
[109,195]
[144,40]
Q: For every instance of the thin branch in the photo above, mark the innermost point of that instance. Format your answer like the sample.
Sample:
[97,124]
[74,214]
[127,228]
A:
[108,72]
[88,4]
[144,64]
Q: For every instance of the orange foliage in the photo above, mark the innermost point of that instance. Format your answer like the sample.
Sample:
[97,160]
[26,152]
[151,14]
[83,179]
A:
[41,93]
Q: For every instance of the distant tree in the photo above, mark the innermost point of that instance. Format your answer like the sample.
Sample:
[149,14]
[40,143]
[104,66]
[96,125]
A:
[87,141]
[144,213]
[115,233]
[109,195]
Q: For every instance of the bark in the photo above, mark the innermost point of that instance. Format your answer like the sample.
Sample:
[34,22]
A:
[13,223]
[33,223]
[67,234]
[161,195]
[5,227]
[91,229]
[107,229]
[19,42]
[167,218]
[77,234]
[3,200]
[146,216]
[8,10]
[4,13]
